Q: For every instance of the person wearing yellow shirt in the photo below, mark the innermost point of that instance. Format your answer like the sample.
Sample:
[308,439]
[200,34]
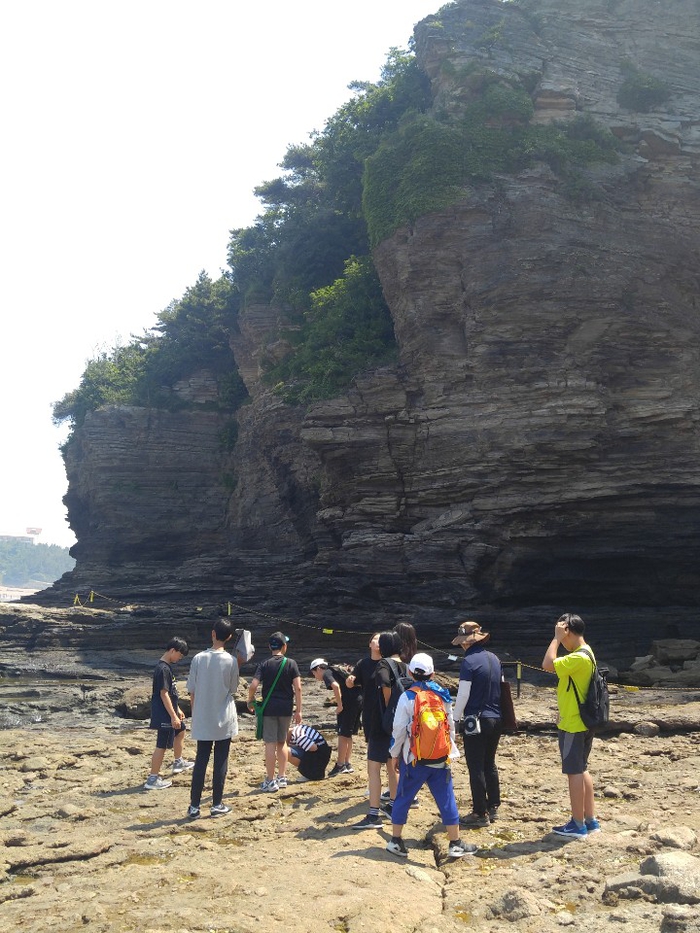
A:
[575,739]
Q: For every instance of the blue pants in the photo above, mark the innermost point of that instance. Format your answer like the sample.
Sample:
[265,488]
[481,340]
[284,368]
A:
[439,780]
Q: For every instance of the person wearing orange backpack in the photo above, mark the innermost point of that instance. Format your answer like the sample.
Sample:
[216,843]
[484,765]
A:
[424,743]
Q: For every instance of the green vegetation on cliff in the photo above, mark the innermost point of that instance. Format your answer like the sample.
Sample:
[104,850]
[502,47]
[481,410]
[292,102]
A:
[191,335]
[383,160]
[27,565]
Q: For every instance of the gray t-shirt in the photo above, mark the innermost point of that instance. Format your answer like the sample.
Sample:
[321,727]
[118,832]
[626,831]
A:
[213,679]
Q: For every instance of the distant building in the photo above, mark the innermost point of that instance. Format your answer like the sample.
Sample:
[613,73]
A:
[17,539]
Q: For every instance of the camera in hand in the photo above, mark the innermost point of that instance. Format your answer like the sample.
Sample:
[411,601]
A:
[471,725]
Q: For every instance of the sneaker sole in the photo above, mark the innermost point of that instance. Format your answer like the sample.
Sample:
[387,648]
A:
[156,786]
[397,852]
[571,835]
[461,854]
[371,826]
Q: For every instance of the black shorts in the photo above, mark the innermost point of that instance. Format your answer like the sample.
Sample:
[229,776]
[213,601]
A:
[312,765]
[378,748]
[349,721]
[575,747]
[166,737]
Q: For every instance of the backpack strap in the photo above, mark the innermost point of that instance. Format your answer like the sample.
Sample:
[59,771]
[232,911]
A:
[274,684]
[589,654]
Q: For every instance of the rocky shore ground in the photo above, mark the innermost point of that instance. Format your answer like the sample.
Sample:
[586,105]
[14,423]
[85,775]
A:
[85,847]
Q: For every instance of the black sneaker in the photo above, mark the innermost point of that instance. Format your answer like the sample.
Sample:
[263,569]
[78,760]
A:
[387,808]
[369,822]
[493,814]
[474,820]
[335,770]
[192,813]
[397,847]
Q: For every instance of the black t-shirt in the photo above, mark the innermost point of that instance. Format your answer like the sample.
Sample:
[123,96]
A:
[364,678]
[163,679]
[384,677]
[281,703]
[350,697]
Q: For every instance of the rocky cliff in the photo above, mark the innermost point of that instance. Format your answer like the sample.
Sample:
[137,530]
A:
[537,443]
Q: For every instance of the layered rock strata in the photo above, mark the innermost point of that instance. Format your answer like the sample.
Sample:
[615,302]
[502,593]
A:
[537,445]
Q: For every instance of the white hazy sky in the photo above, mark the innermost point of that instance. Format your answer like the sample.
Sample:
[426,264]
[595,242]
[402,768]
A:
[133,134]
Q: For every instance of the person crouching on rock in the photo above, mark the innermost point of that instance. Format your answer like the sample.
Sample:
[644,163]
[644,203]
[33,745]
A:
[166,715]
[308,751]
[348,709]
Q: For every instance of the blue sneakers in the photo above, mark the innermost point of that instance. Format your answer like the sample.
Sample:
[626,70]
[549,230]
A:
[572,829]
[592,825]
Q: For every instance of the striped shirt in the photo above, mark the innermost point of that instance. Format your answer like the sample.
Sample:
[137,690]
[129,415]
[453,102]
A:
[304,737]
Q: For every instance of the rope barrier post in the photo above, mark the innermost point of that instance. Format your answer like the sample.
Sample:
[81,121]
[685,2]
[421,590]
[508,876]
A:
[92,596]
[229,609]
[518,678]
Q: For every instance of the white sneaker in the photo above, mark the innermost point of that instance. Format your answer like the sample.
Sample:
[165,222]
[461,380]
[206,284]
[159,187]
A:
[459,849]
[156,783]
[281,780]
[269,787]
[181,764]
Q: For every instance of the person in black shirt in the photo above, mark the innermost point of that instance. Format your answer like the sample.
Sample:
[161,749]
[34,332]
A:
[388,668]
[166,715]
[348,703]
[282,702]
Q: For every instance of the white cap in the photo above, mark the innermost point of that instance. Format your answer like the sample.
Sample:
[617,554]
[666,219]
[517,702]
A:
[318,662]
[421,663]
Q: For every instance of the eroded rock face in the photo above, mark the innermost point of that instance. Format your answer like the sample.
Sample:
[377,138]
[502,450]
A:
[538,443]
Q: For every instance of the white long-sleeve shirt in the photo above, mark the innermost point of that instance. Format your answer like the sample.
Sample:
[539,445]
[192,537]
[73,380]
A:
[403,719]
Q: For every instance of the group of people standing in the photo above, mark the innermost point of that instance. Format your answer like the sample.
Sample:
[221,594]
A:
[380,692]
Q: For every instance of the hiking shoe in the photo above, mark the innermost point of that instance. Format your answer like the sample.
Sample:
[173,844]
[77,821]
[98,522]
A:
[335,770]
[474,820]
[571,829]
[220,809]
[369,822]
[493,814]
[397,847]
[281,780]
[192,813]
[269,787]
[459,849]
[387,808]
[592,825]
[156,783]
[347,768]
[181,764]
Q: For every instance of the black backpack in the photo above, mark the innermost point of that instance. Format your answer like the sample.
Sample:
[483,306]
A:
[399,683]
[595,708]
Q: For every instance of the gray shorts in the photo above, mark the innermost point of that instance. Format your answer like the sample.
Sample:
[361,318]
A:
[275,729]
[574,748]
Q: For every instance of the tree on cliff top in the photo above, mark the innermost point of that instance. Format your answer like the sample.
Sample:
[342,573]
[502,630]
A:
[191,334]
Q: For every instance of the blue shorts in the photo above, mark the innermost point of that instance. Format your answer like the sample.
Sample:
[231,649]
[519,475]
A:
[574,748]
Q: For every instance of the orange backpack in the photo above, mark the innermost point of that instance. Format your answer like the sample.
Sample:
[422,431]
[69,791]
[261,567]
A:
[430,729]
